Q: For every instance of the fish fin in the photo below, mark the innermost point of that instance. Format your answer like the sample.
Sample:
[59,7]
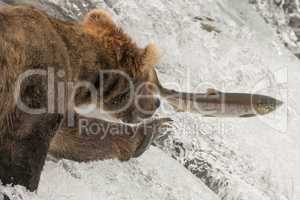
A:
[212,91]
[209,116]
[247,115]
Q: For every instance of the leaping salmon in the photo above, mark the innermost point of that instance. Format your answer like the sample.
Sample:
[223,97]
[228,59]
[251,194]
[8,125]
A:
[215,103]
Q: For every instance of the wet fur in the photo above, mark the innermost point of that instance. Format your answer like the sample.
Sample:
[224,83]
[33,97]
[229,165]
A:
[30,39]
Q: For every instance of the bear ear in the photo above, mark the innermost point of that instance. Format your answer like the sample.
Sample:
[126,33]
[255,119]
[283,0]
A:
[98,18]
[151,55]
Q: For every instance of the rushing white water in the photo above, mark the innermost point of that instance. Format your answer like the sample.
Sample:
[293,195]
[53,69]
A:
[224,44]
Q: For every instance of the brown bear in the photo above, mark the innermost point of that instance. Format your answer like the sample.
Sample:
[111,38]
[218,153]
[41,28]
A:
[67,143]
[38,117]
[33,44]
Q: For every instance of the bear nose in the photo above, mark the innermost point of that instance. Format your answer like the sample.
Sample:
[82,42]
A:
[157,103]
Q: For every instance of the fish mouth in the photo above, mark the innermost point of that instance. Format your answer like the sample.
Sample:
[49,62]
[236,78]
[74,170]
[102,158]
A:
[278,103]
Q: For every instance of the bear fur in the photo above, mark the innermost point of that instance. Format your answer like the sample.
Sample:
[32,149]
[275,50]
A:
[32,40]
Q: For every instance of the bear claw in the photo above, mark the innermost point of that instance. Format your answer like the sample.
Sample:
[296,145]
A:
[157,127]
[144,146]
